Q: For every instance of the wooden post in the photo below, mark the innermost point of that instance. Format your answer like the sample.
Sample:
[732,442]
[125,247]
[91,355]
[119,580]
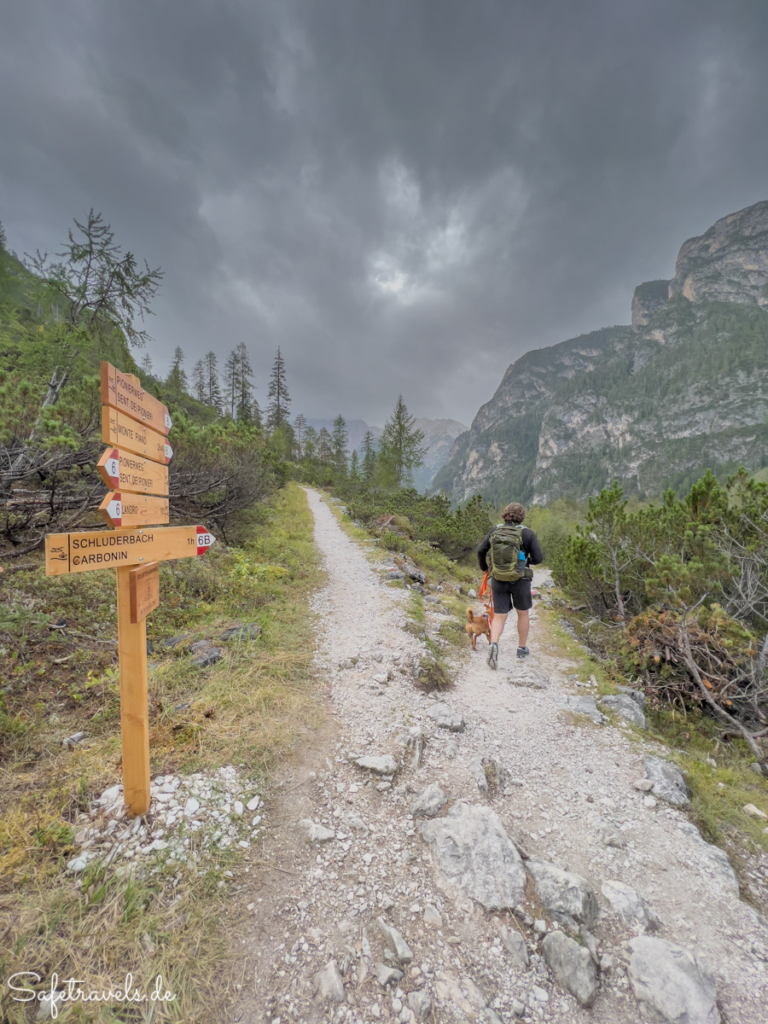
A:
[134,698]
[140,424]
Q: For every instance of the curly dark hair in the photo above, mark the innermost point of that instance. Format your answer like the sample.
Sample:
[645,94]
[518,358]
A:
[514,513]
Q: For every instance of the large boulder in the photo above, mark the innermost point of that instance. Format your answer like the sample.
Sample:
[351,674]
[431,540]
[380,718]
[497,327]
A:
[672,982]
[476,856]
[668,782]
[572,966]
[568,897]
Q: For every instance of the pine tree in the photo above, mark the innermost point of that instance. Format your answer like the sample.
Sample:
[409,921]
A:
[211,377]
[300,425]
[244,392]
[324,445]
[177,378]
[354,467]
[369,457]
[401,449]
[310,443]
[279,399]
[238,386]
[339,442]
[198,380]
[230,382]
[256,414]
[146,363]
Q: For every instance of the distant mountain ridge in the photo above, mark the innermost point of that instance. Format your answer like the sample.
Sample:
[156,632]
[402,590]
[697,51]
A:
[682,389]
[439,436]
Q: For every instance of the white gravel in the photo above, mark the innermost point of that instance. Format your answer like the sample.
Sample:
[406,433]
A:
[569,790]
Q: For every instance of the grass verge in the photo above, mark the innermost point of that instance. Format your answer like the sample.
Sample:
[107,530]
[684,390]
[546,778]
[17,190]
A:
[438,567]
[250,709]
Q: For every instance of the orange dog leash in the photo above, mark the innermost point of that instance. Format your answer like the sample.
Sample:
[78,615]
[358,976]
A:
[485,589]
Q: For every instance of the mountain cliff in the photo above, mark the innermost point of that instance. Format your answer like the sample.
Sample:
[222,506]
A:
[682,389]
[439,436]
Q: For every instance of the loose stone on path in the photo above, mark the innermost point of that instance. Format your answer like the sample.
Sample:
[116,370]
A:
[383,765]
[567,896]
[668,781]
[672,981]
[429,802]
[476,856]
[445,717]
[630,905]
[572,966]
[329,984]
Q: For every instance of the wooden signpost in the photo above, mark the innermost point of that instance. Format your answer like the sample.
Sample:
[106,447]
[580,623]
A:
[123,471]
[119,429]
[135,507]
[119,509]
[124,391]
[109,549]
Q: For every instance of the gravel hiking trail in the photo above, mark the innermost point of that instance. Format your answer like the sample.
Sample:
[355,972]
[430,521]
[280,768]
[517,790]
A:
[356,916]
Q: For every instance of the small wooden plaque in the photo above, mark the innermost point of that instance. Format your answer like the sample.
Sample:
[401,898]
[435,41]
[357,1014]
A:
[144,585]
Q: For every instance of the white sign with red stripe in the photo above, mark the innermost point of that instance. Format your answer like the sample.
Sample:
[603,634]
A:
[204,540]
[113,509]
[120,509]
[112,469]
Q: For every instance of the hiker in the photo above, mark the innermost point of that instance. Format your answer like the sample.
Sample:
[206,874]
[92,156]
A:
[511,549]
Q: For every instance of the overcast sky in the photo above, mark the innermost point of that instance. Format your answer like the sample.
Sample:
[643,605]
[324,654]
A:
[405,195]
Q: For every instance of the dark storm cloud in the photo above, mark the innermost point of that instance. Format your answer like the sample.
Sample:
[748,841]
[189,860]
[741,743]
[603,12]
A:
[405,196]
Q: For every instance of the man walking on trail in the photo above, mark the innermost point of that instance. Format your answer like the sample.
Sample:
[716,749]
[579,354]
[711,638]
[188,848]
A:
[511,549]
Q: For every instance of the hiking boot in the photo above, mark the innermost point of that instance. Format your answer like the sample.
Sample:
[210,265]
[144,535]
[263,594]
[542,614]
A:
[523,652]
[493,656]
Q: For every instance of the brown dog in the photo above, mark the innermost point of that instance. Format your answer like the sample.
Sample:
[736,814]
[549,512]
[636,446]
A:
[476,625]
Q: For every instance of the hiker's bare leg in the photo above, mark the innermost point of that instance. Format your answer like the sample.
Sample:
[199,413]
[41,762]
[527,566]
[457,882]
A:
[497,627]
[523,625]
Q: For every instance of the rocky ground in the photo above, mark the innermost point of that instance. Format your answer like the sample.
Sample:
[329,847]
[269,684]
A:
[495,853]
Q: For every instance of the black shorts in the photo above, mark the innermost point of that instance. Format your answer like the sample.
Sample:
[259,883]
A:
[507,594]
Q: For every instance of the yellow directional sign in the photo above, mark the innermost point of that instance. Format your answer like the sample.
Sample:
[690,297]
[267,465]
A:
[137,474]
[123,391]
[110,549]
[123,471]
[118,509]
[119,429]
